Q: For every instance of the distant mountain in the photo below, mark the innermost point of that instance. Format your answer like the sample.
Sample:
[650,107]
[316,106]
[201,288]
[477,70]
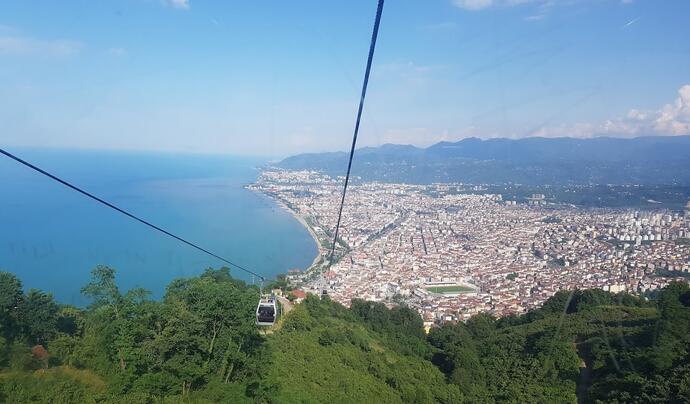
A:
[658,160]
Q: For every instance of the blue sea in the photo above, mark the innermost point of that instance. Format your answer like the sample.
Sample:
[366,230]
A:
[51,236]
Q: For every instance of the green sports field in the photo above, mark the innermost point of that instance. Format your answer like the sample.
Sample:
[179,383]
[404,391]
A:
[449,289]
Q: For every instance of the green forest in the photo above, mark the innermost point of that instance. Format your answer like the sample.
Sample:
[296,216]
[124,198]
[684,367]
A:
[199,344]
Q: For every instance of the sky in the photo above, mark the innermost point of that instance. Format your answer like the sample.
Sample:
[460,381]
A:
[276,78]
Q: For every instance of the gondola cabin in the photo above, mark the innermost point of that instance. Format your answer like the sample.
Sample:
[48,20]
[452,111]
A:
[266,311]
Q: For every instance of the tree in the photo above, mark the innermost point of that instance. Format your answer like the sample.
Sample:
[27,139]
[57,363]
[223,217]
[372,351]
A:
[561,302]
[38,317]
[672,340]
[200,343]
[102,289]
[459,359]
[114,322]
[482,325]
[41,355]
[586,299]
[224,311]
[407,321]
[181,347]
[10,298]
[70,321]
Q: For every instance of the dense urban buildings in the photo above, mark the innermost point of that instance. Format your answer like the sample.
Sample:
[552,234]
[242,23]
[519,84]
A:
[450,251]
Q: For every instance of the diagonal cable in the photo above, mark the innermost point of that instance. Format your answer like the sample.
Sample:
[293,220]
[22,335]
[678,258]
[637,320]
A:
[372,46]
[126,213]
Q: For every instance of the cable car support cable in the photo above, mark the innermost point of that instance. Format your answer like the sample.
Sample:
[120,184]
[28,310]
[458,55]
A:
[372,46]
[126,213]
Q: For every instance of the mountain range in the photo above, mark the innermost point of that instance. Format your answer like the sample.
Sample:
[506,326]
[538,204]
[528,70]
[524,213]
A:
[653,160]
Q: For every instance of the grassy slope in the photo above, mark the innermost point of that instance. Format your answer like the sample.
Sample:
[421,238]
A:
[331,359]
[615,327]
[57,385]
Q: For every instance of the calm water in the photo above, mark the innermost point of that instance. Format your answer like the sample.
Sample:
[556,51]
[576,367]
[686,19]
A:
[51,237]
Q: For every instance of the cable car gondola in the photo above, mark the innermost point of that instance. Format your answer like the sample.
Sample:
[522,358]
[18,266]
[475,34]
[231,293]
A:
[266,311]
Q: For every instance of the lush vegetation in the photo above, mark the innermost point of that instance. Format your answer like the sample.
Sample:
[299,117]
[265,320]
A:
[199,344]
[591,345]
[327,353]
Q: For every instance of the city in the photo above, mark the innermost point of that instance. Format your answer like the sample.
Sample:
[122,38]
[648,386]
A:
[454,201]
[451,254]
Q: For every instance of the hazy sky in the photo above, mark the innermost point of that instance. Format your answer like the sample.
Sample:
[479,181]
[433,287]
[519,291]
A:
[280,77]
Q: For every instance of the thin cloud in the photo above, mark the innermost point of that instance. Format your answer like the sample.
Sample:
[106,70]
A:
[26,46]
[535,17]
[543,6]
[406,69]
[117,52]
[631,22]
[441,26]
[179,4]
[538,9]
[672,119]
[473,5]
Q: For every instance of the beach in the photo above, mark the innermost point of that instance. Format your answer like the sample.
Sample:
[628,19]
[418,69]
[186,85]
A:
[322,253]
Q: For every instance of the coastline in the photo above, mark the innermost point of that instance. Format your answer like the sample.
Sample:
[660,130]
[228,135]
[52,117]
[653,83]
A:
[320,251]
[304,223]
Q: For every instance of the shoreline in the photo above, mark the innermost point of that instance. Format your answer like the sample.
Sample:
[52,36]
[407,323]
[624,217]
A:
[320,253]
[303,222]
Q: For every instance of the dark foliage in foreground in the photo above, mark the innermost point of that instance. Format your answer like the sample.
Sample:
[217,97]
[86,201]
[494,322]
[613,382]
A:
[199,344]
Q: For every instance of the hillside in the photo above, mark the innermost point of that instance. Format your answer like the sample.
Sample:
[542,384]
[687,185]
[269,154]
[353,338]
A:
[198,344]
[324,353]
[654,160]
